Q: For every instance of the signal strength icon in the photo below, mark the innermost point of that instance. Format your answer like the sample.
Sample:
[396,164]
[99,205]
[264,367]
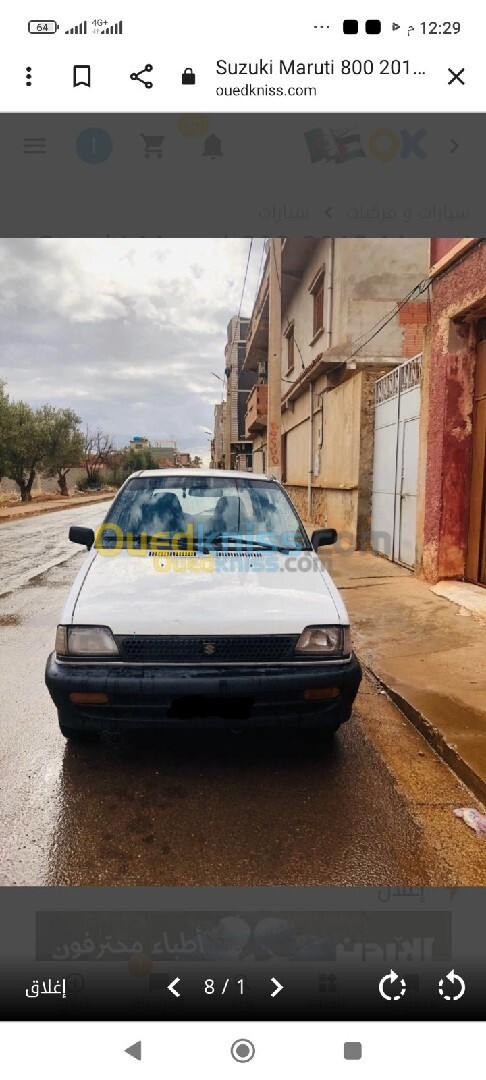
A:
[117,28]
[81,28]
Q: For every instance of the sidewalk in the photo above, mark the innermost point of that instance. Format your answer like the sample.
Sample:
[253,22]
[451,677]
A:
[428,652]
[22,510]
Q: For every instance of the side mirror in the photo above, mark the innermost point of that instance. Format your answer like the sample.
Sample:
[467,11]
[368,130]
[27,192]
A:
[79,535]
[323,537]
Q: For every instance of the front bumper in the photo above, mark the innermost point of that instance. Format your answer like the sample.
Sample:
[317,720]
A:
[232,696]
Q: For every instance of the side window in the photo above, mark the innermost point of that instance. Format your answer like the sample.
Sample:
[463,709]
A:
[317,292]
[289,334]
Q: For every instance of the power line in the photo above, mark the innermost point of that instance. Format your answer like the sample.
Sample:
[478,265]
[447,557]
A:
[421,287]
[373,330]
[380,325]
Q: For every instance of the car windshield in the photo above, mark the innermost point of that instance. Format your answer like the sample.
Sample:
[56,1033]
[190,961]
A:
[210,512]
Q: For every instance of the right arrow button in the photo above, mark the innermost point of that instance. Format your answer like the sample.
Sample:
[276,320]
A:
[278,987]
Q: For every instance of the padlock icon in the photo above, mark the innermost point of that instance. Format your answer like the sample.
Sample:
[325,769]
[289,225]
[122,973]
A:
[188,77]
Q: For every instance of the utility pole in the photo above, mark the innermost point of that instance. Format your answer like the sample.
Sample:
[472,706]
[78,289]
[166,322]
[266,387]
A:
[227,419]
[274,417]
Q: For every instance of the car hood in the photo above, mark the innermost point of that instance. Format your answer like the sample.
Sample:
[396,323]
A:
[260,594]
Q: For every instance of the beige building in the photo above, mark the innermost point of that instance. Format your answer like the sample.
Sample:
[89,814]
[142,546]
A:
[236,447]
[164,451]
[336,338]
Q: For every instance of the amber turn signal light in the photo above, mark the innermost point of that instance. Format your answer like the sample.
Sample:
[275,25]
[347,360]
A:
[89,699]
[322,693]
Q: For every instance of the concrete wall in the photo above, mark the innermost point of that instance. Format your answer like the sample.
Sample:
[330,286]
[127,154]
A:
[369,277]
[43,483]
[259,452]
[336,463]
[459,292]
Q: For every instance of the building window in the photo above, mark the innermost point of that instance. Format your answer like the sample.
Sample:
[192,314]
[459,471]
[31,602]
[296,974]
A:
[289,334]
[316,290]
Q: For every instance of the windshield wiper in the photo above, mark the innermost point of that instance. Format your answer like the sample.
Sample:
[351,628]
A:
[247,543]
[195,544]
[204,544]
[111,542]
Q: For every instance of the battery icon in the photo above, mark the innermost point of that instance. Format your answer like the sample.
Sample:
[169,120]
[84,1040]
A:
[43,26]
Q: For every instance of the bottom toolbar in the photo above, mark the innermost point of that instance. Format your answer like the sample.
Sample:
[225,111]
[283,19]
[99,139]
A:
[212,1051]
[272,990]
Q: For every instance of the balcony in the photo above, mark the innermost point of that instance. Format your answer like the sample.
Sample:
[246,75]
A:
[256,410]
[257,336]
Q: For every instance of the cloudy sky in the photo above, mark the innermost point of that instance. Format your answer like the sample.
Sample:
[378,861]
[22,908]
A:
[126,332]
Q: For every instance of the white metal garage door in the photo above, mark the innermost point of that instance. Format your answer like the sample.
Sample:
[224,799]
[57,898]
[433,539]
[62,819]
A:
[395,462]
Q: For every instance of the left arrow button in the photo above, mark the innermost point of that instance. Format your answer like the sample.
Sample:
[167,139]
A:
[135,1051]
[172,987]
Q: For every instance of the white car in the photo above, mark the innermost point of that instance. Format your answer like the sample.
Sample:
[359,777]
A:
[202,602]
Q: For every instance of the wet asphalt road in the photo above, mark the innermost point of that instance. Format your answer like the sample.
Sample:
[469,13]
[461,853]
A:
[203,808]
[29,547]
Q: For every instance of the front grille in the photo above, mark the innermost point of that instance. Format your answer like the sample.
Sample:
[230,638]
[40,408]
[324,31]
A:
[177,649]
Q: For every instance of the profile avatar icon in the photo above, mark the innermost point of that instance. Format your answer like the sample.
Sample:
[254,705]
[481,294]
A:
[212,147]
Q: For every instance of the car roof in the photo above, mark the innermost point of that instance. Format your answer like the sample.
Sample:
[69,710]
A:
[231,473]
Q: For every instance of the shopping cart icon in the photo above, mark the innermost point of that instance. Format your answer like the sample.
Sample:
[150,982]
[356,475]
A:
[153,144]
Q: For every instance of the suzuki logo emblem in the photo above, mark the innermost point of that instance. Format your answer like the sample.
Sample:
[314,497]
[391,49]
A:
[208,647]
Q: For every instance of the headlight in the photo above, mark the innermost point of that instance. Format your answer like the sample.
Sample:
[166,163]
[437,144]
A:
[85,641]
[325,641]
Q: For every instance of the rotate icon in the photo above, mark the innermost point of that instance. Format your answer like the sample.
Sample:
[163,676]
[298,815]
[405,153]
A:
[456,987]
[395,984]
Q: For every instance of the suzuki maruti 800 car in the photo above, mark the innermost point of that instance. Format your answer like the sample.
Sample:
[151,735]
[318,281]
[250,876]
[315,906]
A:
[202,602]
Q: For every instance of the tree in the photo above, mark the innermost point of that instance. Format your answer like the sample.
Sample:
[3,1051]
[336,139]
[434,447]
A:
[4,427]
[64,443]
[197,462]
[125,462]
[97,450]
[137,459]
[26,446]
